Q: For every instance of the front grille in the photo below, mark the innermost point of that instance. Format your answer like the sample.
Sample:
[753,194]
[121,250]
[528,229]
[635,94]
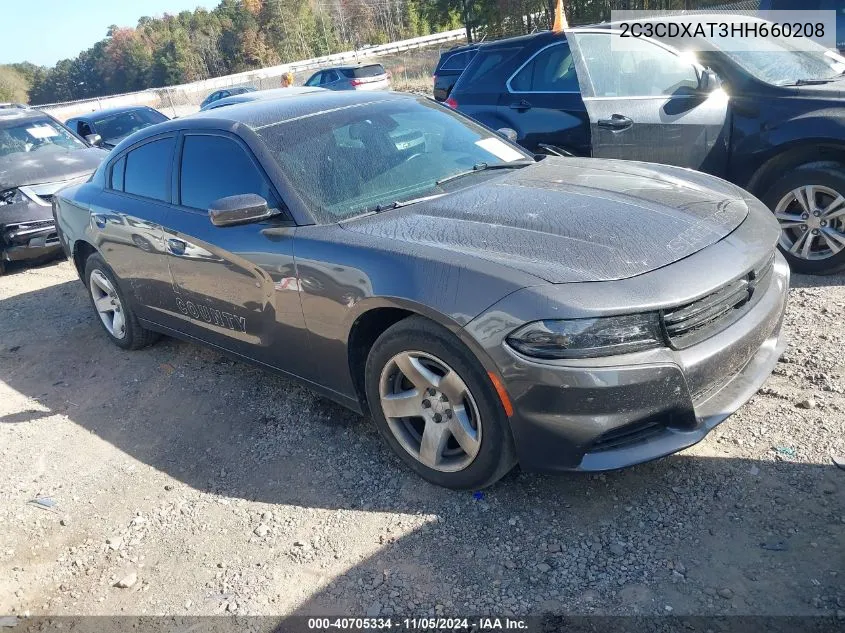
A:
[694,322]
[34,225]
[31,234]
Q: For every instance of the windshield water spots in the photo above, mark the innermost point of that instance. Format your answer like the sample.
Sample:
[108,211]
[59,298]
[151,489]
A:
[350,161]
[36,135]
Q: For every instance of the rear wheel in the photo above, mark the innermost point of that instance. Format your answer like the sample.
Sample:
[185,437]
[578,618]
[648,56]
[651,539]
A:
[114,312]
[809,205]
[436,408]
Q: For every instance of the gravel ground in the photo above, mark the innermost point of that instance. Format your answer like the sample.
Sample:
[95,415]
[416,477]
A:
[185,483]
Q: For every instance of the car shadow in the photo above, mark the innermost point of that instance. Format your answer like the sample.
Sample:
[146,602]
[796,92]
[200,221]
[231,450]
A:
[18,267]
[226,428]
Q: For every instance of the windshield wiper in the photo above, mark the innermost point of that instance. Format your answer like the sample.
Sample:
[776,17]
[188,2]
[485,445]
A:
[483,167]
[811,82]
[381,208]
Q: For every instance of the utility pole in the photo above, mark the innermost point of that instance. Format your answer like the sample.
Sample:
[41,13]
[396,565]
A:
[465,7]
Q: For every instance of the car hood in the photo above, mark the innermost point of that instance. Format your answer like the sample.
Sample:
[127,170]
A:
[573,219]
[33,168]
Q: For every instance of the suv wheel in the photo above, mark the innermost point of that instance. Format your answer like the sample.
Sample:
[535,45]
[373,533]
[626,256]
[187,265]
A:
[436,408]
[114,312]
[809,204]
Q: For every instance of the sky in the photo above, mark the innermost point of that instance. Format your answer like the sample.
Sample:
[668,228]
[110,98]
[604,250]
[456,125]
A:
[45,31]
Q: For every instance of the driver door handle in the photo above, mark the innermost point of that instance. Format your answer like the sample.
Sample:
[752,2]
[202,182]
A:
[522,104]
[176,247]
[616,122]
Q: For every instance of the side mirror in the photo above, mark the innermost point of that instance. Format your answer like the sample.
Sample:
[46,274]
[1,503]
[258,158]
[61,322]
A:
[508,133]
[708,81]
[241,209]
[94,139]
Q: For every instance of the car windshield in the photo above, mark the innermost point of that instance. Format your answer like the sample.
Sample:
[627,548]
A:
[36,135]
[118,126]
[353,160]
[780,61]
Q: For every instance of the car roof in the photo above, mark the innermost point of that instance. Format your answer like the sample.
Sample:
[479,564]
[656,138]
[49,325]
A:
[461,49]
[110,112]
[262,112]
[349,67]
[261,95]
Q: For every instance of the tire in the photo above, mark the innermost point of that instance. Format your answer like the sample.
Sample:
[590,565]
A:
[787,198]
[472,411]
[129,334]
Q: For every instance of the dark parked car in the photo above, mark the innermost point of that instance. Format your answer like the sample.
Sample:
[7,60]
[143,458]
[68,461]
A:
[259,95]
[38,156]
[107,128]
[775,129]
[367,77]
[456,291]
[449,67]
[812,5]
[226,92]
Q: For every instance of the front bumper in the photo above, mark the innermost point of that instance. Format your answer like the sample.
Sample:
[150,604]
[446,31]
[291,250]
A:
[29,241]
[608,413]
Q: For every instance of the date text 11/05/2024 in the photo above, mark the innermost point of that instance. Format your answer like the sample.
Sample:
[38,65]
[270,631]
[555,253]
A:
[419,624]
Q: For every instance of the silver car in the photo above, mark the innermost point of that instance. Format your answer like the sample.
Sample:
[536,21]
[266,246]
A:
[369,77]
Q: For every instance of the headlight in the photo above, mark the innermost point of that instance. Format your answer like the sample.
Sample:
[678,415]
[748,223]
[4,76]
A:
[587,338]
[13,196]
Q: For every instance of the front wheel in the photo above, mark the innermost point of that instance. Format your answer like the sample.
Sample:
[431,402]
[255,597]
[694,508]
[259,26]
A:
[114,312]
[809,205]
[436,408]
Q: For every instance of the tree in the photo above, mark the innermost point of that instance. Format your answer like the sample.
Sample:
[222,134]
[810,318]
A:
[241,35]
[13,85]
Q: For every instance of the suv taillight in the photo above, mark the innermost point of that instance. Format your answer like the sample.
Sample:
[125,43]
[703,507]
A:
[355,82]
[452,103]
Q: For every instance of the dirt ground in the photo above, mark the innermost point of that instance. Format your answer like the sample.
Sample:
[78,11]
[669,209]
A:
[205,486]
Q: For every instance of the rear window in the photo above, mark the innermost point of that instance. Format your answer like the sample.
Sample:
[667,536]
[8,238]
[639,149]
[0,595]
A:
[488,70]
[364,71]
[457,61]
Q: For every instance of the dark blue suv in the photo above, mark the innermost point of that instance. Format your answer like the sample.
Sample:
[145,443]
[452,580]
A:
[770,122]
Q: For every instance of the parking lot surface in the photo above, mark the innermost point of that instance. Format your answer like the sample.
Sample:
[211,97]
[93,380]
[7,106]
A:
[176,481]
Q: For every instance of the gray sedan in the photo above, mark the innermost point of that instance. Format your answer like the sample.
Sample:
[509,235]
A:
[482,305]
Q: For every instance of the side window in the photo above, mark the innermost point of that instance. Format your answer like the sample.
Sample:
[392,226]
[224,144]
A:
[314,80]
[634,68]
[485,71]
[148,169]
[117,170]
[215,167]
[328,77]
[550,70]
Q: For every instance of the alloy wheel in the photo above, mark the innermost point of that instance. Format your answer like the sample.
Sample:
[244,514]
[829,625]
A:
[430,411]
[812,222]
[107,304]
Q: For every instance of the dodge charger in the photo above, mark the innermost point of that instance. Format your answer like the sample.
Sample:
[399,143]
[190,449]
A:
[484,306]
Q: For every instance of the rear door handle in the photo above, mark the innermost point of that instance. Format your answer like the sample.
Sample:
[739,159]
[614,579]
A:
[616,122]
[521,105]
[176,247]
